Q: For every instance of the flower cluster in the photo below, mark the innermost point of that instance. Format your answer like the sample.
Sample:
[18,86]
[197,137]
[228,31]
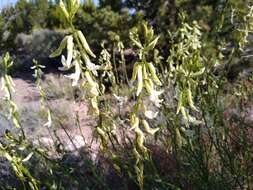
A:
[79,56]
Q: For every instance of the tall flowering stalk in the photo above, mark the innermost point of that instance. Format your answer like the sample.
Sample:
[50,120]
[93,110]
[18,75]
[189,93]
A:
[8,88]
[13,148]
[79,56]
[245,28]
[38,77]
[146,88]
[186,68]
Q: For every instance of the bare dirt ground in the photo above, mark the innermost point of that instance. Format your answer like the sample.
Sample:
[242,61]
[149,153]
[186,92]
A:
[27,98]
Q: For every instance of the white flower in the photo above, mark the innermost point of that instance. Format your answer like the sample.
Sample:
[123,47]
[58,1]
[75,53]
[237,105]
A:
[49,120]
[92,67]
[75,76]
[120,99]
[154,97]
[148,113]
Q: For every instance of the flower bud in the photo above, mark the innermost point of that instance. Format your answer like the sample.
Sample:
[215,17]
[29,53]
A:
[134,121]
[180,102]
[190,101]
[135,71]
[153,73]
[89,79]
[148,129]
[148,83]
[140,138]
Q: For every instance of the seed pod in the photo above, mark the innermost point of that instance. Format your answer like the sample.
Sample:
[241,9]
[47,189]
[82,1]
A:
[73,7]
[185,115]
[85,44]
[148,83]
[7,156]
[58,51]
[135,71]
[223,134]
[140,81]
[190,101]
[180,102]
[94,92]
[16,122]
[153,73]
[101,132]
[76,5]
[70,49]
[199,73]
[140,138]
[136,154]
[70,5]
[85,57]
[10,83]
[64,10]
[14,107]
[89,79]
[179,140]
[94,104]
[102,135]
[148,129]
[134,121]
[145,30]
[150,34]
[144,72]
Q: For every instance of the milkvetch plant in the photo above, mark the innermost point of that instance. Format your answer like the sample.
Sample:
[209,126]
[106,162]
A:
[188,126]
[14,147]
[38,77]
[78,56]
[86,73]
[119,47]
[146,86]
[244,27]
[105,62]
[8,88]
[186,68]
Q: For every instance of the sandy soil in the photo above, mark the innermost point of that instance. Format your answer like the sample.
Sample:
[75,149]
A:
[28,101]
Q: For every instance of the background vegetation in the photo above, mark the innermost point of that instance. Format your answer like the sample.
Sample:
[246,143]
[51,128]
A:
[168,85]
